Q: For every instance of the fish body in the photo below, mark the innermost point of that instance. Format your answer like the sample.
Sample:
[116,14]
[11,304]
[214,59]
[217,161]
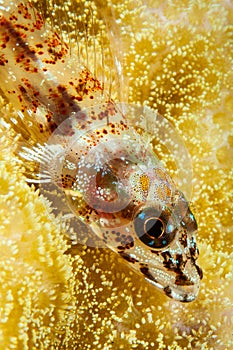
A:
[100,166]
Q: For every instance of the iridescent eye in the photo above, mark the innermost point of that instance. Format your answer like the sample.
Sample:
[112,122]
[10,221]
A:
[154,227]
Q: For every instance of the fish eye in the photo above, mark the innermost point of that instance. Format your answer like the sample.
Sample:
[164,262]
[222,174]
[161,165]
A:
[154,227]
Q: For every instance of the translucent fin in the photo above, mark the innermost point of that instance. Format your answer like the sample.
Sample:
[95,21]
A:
[48,158]
[38,75]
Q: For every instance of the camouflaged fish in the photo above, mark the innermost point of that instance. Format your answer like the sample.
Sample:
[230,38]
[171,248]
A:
[101,165]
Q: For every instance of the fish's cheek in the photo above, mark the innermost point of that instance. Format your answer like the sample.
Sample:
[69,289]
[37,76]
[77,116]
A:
[187,240]
[187,228]
[194,251]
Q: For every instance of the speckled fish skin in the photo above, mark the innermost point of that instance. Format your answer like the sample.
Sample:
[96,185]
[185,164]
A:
[110,178]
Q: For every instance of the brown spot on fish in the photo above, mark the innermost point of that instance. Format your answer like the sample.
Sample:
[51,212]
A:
[128,257]
[167,290]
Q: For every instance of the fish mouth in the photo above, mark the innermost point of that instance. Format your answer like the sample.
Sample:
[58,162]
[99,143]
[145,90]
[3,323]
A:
[181,285]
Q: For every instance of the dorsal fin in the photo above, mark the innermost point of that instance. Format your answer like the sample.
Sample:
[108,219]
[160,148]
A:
[38,76]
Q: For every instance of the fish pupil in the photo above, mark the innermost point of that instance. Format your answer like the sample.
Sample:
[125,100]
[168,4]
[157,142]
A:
[154,227]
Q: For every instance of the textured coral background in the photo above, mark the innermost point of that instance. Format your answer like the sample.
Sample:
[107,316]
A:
[177,58]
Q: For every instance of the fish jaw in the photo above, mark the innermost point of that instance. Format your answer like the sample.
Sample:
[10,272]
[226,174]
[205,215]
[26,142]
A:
[166,259]
[172,270]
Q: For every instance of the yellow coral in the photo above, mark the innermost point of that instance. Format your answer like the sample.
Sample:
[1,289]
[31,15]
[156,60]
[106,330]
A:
[179,61]
[36,275]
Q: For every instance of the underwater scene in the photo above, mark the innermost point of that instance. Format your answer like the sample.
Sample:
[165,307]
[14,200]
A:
[116,167]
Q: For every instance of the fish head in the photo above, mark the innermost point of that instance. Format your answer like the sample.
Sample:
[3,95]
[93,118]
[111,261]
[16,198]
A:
[166,250]
[156,233]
